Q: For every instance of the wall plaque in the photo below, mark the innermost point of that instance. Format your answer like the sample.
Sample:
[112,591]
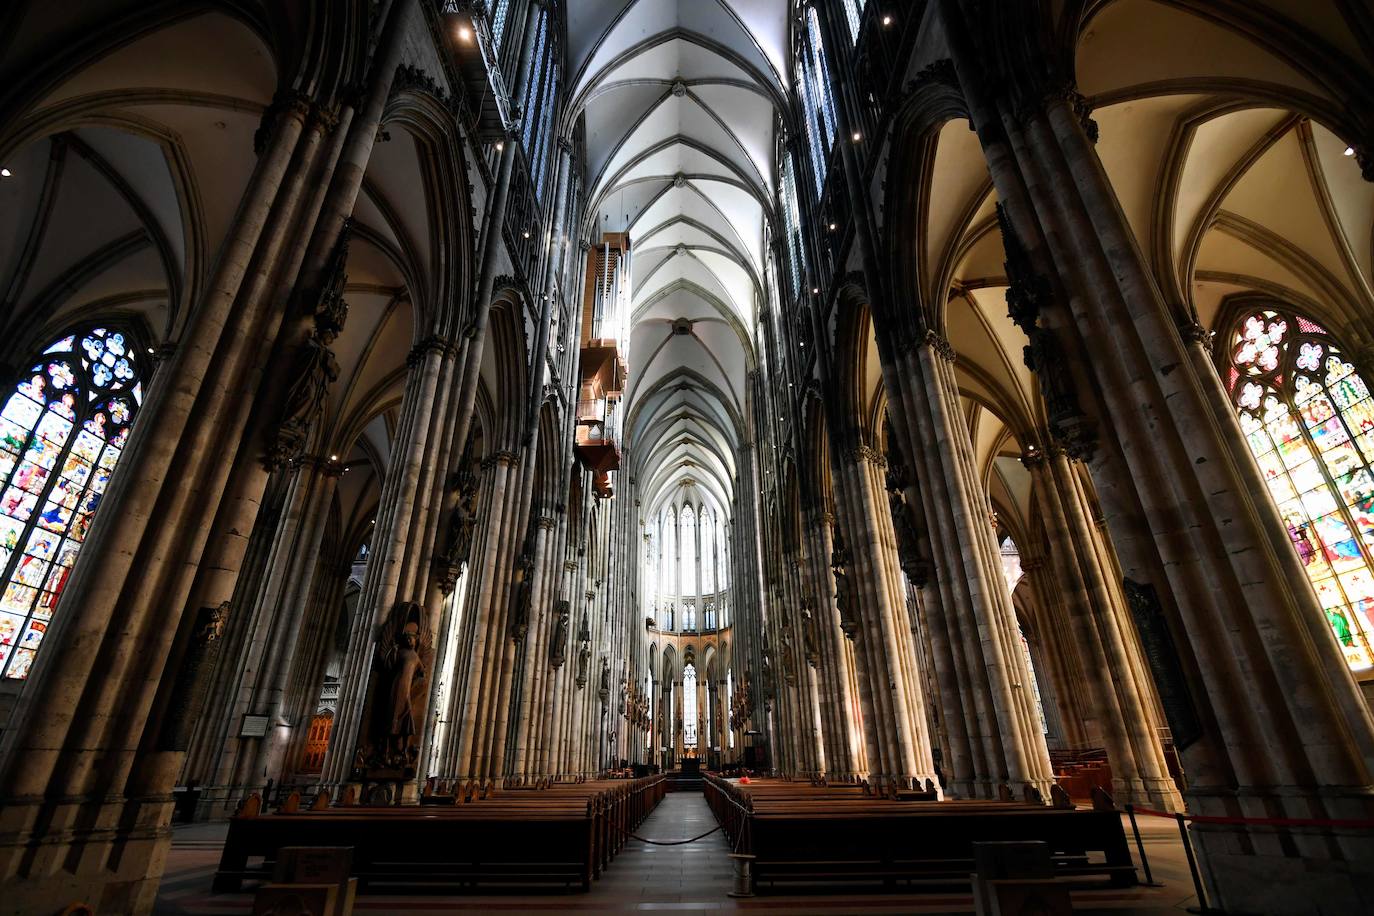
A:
[253,726]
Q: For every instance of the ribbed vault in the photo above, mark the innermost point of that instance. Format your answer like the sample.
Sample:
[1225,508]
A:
[680,100]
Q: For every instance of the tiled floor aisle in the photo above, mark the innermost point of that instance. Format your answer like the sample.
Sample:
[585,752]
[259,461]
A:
[644,878]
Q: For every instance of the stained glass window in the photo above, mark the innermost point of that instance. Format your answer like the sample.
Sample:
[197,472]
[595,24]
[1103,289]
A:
[687,584]
[708,554]
[853,14]
[61,434]
[689,706]
[792,218]
[818,105]
[1309,419]
[498,22]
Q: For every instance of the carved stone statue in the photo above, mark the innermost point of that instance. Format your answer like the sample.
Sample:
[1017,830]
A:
[315,367]
[404,648]
[558,646]
[461,525]
[315,370]
[908,546]
[846,600]
[604,688]
[810,640]
[520,605]
[406,670]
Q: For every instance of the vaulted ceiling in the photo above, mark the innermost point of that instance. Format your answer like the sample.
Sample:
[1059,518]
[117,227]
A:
[680,100]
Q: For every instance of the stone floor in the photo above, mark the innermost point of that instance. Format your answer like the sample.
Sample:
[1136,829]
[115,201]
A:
[685,878]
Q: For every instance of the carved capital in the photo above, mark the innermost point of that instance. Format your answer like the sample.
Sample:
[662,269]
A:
[435,344]
[289,103]
[940,345]
[868,454]
[1194,332]
[502,456]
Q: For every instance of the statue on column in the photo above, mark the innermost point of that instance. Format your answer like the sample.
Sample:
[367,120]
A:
[461,524]
[846,601]
[315,367]
[520,606]
[404,645]
[558,646]
[584,652]
[810,642]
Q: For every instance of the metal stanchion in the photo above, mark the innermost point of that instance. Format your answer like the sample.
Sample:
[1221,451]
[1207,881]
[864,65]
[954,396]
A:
[1140,847]
[1192,867]
[744,875]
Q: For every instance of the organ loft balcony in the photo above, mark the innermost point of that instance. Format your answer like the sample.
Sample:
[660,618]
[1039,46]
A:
[602,370]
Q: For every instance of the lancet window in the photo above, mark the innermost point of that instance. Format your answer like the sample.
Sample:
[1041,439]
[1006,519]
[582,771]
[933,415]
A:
[818,104]
[1308,417]
[689,706]
[792,219]
[62,431]
[853,14]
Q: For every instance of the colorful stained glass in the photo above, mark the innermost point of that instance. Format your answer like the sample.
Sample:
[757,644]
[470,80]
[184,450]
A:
[1309,419]
[62,431]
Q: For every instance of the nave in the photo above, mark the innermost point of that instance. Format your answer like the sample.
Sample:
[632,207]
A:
[447,416]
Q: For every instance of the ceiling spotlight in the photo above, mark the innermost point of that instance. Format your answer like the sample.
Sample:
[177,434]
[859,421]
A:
[833,227]
[526,233]
[333,457]
[5,173]
[887,20]
[465,33]
[858,136]
[500,146]
[816,290]
[1349,151]
[150,349]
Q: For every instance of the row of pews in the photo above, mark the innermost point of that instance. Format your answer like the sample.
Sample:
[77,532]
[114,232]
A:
[546,833]
[795,832]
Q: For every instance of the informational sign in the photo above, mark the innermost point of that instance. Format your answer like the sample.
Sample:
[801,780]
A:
[253,726]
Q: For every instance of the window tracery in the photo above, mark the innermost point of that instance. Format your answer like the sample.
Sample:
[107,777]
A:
[62,432]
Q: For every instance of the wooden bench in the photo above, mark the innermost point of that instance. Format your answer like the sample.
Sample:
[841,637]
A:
[565,834]
[799,833]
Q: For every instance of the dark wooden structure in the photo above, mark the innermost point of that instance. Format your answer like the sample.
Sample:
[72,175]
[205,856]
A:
[551,834]
[802,833]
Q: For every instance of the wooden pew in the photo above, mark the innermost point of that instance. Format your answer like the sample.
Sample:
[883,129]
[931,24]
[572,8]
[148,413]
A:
[562,835]
[797,832]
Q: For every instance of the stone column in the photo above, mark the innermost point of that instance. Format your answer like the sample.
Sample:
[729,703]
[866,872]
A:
[1266,715]
[1115,677]
[400,554]
[899,739]
[973,626]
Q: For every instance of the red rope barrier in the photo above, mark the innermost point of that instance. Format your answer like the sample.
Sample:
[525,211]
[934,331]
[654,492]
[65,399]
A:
[1262,821]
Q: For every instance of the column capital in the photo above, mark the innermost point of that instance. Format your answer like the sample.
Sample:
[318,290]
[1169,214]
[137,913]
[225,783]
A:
[941,345]
[434,343]
[1194,332]
[504,456]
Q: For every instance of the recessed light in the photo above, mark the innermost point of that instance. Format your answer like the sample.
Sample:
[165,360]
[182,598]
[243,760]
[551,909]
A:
[1349,151]
[5,173]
